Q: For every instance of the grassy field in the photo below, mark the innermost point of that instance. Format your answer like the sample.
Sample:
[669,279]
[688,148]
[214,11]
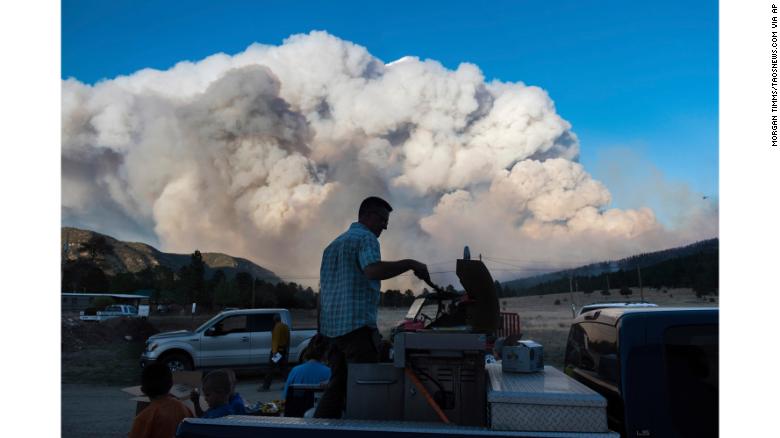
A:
[542,320]
[107,364]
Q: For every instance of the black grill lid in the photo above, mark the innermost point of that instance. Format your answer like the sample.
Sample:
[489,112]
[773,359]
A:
[483,312]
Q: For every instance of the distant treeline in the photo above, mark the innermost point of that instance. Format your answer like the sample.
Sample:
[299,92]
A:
[395,298]
[187,285]
[697,271]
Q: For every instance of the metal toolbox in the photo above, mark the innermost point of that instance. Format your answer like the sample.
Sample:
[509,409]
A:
[544,401]
[456,384]
[374,391]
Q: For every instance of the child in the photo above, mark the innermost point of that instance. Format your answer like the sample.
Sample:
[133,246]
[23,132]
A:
[235,400]
[313,371]
[163,415]
[216,389]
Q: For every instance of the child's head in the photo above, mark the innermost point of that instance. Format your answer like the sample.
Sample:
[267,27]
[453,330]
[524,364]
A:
[216,388]
[318,346]
[156,380]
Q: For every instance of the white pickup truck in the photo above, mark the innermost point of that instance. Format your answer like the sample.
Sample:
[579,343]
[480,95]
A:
[235,339]
[114,311]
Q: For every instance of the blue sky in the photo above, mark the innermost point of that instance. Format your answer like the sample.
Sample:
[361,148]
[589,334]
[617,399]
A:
[636,78]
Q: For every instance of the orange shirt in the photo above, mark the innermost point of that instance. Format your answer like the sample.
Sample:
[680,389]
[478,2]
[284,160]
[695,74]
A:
[280,337]
[160,419]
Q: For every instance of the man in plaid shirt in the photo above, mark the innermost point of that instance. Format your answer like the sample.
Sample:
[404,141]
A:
[350,275]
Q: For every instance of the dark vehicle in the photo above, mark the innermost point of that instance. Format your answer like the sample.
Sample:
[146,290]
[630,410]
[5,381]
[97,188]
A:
[603,305]
[657,368]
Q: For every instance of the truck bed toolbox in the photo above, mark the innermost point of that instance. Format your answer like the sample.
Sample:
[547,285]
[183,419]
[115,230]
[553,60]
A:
[543,401]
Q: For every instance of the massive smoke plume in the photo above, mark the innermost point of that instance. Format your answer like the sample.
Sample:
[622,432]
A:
[267,154]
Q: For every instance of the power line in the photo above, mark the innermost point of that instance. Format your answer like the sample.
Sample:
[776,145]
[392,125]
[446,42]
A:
[442,263]
[577,261]
[515,268]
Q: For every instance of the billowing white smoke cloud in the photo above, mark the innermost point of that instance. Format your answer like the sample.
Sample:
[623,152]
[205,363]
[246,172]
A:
[267,154]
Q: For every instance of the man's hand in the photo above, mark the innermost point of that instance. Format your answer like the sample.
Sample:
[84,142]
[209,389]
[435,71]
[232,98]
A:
[420,270]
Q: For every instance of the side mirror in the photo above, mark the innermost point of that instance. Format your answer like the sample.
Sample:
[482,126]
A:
[211,331]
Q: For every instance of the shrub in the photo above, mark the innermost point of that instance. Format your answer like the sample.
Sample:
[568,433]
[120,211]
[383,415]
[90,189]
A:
[557,302]
[605,292]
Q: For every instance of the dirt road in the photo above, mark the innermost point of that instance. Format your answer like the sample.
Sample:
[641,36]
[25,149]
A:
[95,411]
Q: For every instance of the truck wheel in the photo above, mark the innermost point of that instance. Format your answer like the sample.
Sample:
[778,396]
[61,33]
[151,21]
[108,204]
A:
[177,362]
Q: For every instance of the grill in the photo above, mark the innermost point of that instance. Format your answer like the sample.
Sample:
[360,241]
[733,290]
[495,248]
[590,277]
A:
[440,360]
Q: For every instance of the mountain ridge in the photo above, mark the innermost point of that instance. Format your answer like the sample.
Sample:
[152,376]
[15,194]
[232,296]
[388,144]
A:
[629,263]
[114,256]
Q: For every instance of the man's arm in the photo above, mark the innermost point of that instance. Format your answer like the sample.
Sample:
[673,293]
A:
[385,270]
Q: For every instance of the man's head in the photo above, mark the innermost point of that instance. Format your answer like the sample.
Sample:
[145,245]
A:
[374,213]
[277,318]
[217,388]
[156,380]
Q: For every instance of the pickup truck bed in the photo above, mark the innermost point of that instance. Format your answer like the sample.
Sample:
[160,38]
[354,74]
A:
[547,404]
[240,426]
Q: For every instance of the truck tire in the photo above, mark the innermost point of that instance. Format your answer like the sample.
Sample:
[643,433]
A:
[177,362]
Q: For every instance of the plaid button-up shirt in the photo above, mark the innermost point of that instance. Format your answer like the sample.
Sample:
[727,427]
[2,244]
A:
[348,299]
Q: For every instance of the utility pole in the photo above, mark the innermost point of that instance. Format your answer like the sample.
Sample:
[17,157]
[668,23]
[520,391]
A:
[607,282]
[571,297]
[64,259]
[641,290]
[253,291]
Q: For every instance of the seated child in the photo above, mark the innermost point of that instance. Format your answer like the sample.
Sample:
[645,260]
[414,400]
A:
[313,371]
[216,390]
[164,413]
[235,401]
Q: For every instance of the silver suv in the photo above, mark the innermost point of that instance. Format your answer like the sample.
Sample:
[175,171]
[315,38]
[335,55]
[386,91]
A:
[235,339]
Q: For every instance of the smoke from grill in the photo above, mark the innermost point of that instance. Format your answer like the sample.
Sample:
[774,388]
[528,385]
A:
[266,155]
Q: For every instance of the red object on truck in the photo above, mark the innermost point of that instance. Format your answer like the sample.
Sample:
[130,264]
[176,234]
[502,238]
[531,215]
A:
[510,325]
